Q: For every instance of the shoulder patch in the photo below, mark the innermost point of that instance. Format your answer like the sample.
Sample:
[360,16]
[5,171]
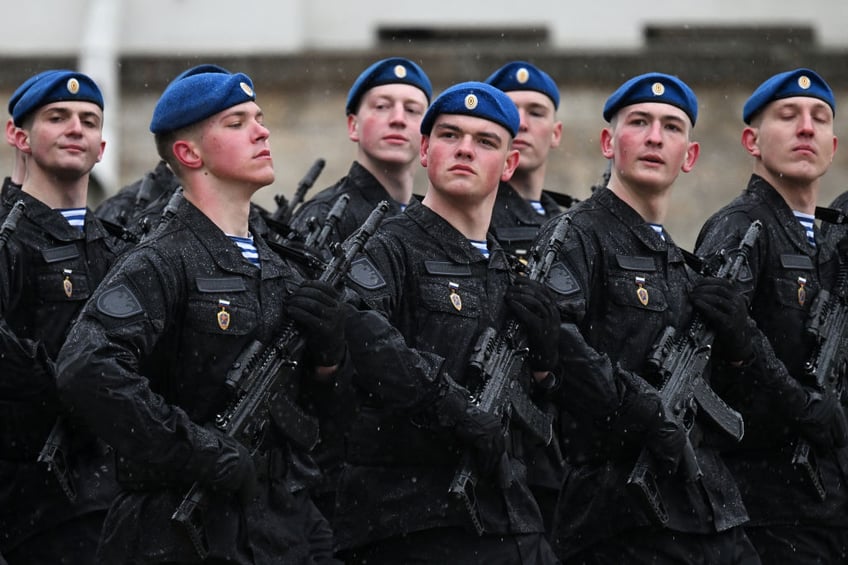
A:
[365,274]
[119,302]
[560,279]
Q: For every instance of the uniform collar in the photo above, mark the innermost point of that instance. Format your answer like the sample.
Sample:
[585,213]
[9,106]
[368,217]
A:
[786,220]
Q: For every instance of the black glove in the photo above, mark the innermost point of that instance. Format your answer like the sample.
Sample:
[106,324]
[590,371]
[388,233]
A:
[533,305]
[224,464]
[315,307]
[822,421]
[479,431]
[726,312]
[644,411]
[588,376]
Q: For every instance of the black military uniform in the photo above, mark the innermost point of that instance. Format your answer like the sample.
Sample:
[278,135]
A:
[439,292]
[365,193]
[623,284]
[127,207]
[146,365]
[515,222]
[49,269]
[786,275]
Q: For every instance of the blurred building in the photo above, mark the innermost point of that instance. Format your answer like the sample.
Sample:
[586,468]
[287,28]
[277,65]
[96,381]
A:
[303,56]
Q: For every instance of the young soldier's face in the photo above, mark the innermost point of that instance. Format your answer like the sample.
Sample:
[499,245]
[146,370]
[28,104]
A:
[235,146]
[387,124]
[649,144]
[793,138]
[539,132]
[466,157]
[64,138]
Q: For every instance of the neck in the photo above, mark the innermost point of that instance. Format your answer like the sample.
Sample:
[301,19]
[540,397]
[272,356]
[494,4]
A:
[651,205]
[800,196]
[397,178]
[529,184]
[471,219]
[55,192]
[227,207]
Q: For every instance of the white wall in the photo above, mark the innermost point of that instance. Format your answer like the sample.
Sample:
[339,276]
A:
[175,27]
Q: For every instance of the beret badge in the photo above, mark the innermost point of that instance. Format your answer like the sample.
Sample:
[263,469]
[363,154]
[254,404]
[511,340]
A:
[400,71]
[658,89]
[804,82]
[73,85]
[522,75]
[470,101]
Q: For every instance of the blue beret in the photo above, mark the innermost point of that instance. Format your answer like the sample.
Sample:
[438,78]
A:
[195,97]
[476,99]
[520,75]
[653,87]
[394,70]
[800,82]
[53,86]
[21,90]
[199,69]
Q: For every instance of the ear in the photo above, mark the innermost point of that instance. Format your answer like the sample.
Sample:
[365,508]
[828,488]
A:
[750,141]
[512,159]
[607,148]
[186,154]
[422,153]
[100,153]
[352,132]
[10,132]
[556,135]
[21,137]
[691,156]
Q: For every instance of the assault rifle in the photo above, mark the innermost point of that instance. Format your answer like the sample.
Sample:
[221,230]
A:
[257,382]
[500,361]
[314,249]
[827,325]
[285,208]
[680,358]
[10,224]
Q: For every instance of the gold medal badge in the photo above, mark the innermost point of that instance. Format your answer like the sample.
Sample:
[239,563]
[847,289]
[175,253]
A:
[455,298]
[802,290]
[641,291]
[67,285]
[223,315]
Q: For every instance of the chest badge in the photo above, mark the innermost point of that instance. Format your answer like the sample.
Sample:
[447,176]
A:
[802,290]
[455,298]
[67,285]
[641,291]
[223,315]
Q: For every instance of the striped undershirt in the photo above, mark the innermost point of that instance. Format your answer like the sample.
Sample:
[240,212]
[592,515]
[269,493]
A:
[75,217]
[248,250]
[807,221]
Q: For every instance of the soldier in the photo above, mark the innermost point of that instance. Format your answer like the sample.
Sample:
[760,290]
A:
[523,205]
[50,265]
[146,363]
[789,134]
[384,109]
[436,276]
[623,281]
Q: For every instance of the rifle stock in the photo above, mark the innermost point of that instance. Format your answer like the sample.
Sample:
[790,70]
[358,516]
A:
[500,360]
[258,376]
[680,359]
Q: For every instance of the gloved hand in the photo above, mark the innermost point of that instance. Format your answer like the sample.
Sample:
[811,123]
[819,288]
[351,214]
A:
[479,431]
[822,421]
[726,311]
[232,467]
[644,411]
[315,307]
[534,307]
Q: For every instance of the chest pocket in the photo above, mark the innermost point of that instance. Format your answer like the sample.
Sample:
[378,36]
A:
[449,289]
[63,277]
[222,306]
[634,282]
[796,284]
